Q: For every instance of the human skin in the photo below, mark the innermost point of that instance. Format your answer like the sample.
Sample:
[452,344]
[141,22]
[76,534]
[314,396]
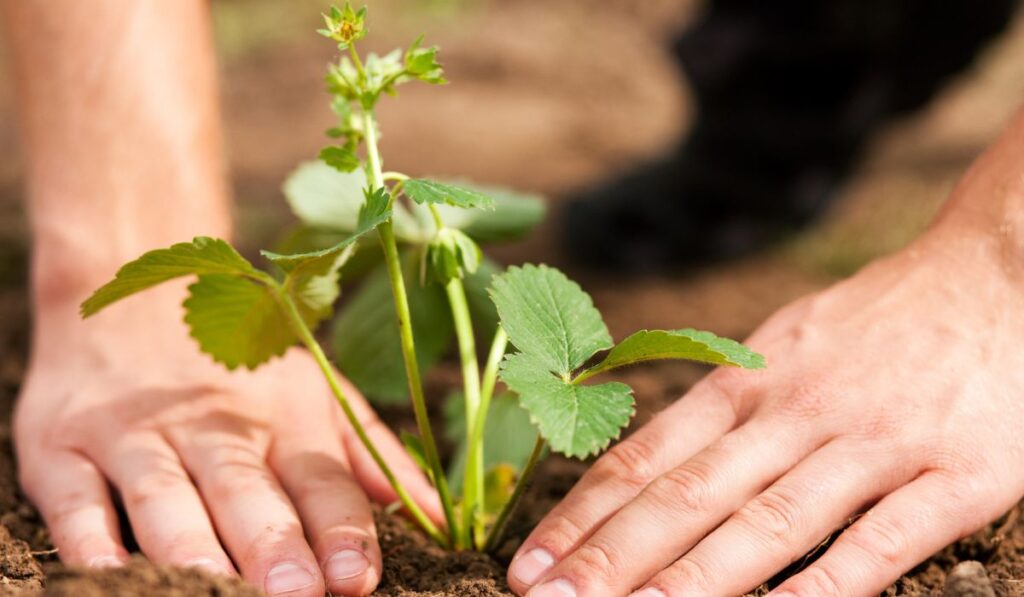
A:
[898,393]
[254,471]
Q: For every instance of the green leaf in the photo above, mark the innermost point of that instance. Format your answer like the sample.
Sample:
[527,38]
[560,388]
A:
[451,254]
[514,215]
[343,80]
[549,317]
[688,344]
[375,210]
[576,420]
[203,255]
[422,63]
[365,337]
[312,279]
[343,159]
[509,436]
[237,321]
[382,72]
[429,191]
[324,197]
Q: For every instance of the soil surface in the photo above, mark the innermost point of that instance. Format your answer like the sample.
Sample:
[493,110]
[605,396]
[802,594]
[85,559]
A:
[573,92]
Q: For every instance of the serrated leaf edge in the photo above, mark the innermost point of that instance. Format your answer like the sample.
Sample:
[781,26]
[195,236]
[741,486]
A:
[598,448]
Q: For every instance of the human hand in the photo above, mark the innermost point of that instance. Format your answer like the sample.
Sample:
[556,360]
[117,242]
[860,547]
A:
[898,393]
[256,468]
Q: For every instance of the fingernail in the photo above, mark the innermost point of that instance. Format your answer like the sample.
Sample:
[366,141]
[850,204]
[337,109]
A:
[649,592]
[106,562]
[346,564]
[209,565]
[287,578]
[531,566]
[781,594]
[555,588]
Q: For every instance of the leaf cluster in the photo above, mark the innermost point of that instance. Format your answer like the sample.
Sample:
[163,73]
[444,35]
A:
[327,202]
[556,329]
[444,289]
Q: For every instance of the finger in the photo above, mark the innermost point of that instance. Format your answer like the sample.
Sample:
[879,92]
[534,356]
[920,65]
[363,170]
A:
[784,522]
[166,513]
[334,510]
[74,500]
[675,511]
[252,514]
[902,530]
[698,419]
[369,475]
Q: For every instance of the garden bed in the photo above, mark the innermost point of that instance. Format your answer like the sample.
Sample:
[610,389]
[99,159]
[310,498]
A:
[412,565]
[581,141]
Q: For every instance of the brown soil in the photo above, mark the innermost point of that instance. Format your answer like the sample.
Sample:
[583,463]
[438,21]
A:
[572,92]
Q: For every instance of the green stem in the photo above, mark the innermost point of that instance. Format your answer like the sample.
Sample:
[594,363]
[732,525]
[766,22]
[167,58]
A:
[498,347]
[438,222]
[473,484]
[476,440]
[586,374]
[332,380]
[386,233]
[498,530]
[357,62]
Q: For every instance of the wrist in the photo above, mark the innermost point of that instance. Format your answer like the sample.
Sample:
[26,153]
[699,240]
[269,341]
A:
[70,262]
[985,213]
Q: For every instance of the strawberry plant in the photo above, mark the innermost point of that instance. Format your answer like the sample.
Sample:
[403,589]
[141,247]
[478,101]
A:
[547,340]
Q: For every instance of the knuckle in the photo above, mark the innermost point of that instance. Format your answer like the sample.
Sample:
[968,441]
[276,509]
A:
[736,387]
[560,533]
[232,479]
[67,508]
[151,487]
[326,482]
[956,457]
[630,462]
[816,580]
[686,488]
[879,538]
[966,499]
[689,574]
[597,560]
[187,544]
[269,544]
[776,516]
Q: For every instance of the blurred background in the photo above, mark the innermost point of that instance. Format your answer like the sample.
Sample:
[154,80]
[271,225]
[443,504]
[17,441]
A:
[555,97]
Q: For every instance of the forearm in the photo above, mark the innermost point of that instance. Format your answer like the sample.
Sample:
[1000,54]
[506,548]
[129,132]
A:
[121,131]
[986,209]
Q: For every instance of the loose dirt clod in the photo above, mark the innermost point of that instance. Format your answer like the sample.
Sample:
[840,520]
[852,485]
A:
[19,571]
[968,579]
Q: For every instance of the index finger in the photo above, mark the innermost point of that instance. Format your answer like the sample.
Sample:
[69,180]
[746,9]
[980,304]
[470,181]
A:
[681,431]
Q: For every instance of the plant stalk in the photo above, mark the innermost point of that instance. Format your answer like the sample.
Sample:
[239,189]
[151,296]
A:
[498,530]
[473,484]
[332,380]
[476,440]
[386,233]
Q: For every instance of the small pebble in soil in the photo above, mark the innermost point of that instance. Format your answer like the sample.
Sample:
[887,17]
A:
[968,579]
